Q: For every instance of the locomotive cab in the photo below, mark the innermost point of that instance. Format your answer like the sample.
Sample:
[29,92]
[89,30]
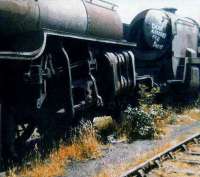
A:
[185,49]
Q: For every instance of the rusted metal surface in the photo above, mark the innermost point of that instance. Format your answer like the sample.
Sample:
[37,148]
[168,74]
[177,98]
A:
[63,16]
[25,24]
[71,16]
[103,22]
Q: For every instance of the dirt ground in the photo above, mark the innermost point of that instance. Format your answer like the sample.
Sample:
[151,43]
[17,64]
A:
[123,153]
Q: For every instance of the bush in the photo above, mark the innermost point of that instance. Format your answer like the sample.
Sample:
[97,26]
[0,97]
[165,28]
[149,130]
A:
[145,121]
[147,95]
[137,123]
[156,110]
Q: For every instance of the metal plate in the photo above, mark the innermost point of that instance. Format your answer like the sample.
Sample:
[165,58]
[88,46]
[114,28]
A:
[63,15]
[185,36]
[103,22]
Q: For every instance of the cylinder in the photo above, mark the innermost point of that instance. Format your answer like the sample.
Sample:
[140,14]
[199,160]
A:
[81,17]
[78,17]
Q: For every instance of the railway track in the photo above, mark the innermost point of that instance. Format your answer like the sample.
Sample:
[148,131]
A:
[180,160]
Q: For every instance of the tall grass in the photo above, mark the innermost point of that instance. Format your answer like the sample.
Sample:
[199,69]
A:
[84,145]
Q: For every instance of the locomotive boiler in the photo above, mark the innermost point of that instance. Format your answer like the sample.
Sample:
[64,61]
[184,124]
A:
[59,58]
[32,20]
[167,48]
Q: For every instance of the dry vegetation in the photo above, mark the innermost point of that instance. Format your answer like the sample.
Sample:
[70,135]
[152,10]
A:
[193,114]
[153,119]
[163,117]
[84,145]
[119,169]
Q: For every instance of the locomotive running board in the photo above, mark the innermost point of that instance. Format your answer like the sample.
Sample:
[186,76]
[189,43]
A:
[22,55]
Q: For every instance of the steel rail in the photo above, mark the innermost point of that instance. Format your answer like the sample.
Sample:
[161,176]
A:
[144,168]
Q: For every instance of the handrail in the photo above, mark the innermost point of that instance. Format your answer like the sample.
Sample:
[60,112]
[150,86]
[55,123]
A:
[113,6]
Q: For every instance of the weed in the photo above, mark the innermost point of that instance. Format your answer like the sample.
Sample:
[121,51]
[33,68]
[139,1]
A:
[148,120]
[147,95]
[137,123]
[173,119]
[84,145]
[85,142]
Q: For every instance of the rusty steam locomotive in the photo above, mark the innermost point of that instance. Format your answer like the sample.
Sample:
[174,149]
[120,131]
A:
[66,56]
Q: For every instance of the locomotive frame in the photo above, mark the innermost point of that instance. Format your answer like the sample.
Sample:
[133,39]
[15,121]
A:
[48,71]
